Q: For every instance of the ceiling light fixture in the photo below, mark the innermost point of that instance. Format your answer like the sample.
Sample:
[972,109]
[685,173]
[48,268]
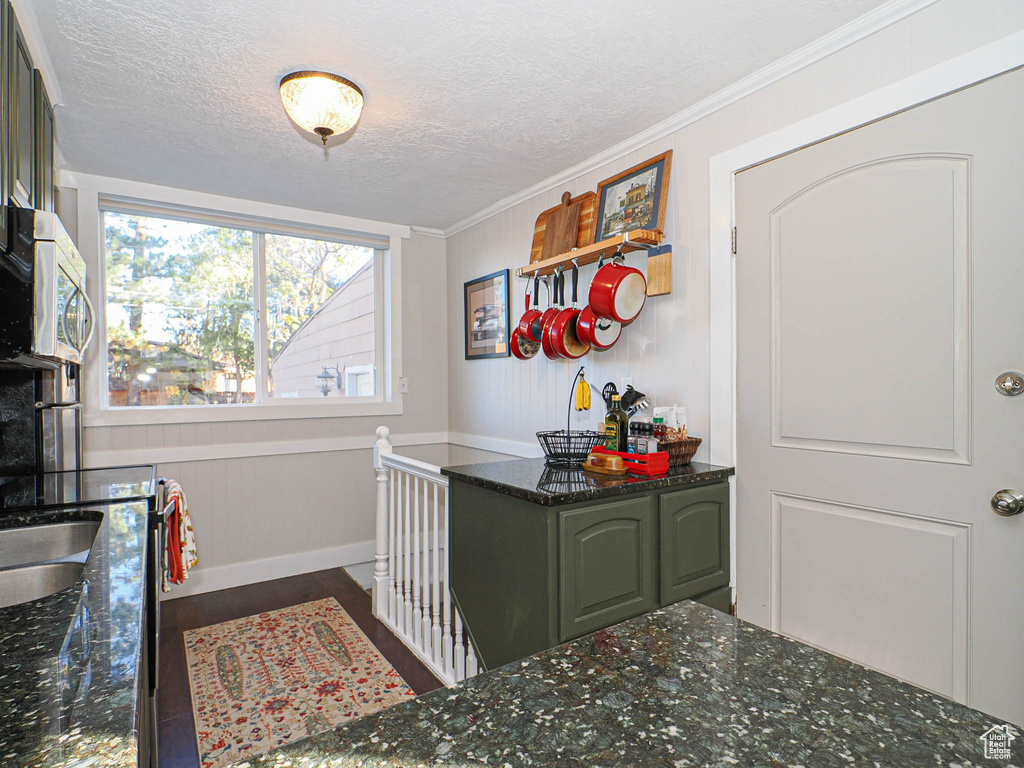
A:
[320,102]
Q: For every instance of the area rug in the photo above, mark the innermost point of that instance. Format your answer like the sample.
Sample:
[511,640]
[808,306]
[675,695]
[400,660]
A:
[266,680]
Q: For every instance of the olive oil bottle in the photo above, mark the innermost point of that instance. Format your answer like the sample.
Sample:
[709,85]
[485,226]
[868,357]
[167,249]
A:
[616,427]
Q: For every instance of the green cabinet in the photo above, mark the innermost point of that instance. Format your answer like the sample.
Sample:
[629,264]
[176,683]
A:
[694,541]
[606,565]
[526,577]
[44,146]
[21,120]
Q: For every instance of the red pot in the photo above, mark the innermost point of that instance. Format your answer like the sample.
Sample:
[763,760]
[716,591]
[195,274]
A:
[523,348]
[564,339]
[530,324]
[549,319]
[618,292]
[599,332]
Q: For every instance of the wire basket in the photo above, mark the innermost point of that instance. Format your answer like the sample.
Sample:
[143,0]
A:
[563,480]
[568,448]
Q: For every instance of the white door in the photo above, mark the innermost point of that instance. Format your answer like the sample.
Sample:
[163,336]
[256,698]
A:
[879,293]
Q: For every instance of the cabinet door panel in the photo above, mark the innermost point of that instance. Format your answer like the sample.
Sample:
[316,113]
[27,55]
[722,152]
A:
[694,541]
[22,134]
[607,565]
[43,192]
[5,158]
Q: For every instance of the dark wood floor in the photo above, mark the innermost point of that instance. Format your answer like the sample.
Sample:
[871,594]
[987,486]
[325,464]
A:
[176,732]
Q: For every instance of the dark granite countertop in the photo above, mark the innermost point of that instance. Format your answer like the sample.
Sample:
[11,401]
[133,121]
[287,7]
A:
[532,480]
[55,490]
[69,662]
[681,687]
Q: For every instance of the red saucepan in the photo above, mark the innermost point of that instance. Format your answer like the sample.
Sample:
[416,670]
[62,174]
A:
[564,339]
[531,318]
[523,348]
[551,314]
[618,292]
[599,332]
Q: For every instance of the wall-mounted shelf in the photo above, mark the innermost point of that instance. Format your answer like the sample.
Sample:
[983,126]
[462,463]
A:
[637,240]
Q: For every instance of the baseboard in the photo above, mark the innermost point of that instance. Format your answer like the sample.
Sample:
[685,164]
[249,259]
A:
[254,571]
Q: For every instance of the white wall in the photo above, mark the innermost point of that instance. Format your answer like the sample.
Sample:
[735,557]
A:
[666,350]
[270,498]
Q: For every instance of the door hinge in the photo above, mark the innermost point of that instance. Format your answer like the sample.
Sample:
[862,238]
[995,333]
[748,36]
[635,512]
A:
[734,241]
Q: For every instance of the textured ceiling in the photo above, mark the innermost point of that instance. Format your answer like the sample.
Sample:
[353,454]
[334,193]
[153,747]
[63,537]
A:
[466,102]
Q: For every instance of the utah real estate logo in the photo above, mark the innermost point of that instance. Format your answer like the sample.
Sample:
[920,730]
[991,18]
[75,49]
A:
[997,742]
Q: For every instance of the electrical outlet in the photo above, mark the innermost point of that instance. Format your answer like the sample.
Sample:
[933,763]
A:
[627,381]
[403,385]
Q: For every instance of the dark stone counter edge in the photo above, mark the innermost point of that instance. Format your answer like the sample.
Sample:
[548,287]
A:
[637,485]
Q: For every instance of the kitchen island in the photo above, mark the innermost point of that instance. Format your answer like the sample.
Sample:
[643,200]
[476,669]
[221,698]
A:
[682,686]
[540,555]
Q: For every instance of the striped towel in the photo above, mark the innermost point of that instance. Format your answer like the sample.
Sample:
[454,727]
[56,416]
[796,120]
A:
[180,552]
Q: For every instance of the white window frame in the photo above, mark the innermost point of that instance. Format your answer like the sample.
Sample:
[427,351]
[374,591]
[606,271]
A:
[97,194]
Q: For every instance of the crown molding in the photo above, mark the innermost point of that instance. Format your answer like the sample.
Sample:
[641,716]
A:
[850,33]
[428,231]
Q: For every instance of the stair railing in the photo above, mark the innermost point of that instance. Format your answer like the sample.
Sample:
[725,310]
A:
[410,579]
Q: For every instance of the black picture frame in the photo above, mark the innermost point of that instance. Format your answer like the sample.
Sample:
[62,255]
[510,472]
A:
[486,316]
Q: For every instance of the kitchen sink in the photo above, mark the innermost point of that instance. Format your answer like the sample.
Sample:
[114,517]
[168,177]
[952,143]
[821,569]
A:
[40,543]
[39,560]
[32,582]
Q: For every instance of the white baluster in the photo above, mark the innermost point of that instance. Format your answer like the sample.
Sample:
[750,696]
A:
[425,581]
[416,630]
[435,603]
[459,673]
[399,614]
[446,636]
[407,581]
[391,549]
[380,554]
[471,664]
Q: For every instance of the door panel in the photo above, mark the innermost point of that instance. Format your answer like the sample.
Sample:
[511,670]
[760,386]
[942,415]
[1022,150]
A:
[878,285]
[694,542]
[839,571]
[909,264]
[607,564]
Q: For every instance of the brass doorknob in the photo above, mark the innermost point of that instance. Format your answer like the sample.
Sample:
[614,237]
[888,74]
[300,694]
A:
[1008,502]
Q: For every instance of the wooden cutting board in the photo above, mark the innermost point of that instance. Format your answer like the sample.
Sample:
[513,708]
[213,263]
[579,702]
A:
[570,224]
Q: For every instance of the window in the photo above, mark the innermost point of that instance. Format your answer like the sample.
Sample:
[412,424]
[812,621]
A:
[201,311]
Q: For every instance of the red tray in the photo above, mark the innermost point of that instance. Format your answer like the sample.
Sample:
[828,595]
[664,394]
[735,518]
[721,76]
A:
[648,464]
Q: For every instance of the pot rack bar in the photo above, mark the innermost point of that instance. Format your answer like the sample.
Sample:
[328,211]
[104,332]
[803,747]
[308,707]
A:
[637,240]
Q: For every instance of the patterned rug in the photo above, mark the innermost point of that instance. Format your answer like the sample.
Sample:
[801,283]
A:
[270,679]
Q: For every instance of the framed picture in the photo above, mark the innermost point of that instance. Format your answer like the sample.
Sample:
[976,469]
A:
[635,198]
[487,318]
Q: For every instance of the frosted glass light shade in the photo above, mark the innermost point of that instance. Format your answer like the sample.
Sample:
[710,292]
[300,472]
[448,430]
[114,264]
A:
[320,102]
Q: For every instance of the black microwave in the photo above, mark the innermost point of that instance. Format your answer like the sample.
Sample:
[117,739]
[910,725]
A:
[46,318]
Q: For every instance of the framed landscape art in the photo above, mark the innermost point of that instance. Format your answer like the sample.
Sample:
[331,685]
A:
[635,198]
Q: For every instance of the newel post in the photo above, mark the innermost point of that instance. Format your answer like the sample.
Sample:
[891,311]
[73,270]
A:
[380,568]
